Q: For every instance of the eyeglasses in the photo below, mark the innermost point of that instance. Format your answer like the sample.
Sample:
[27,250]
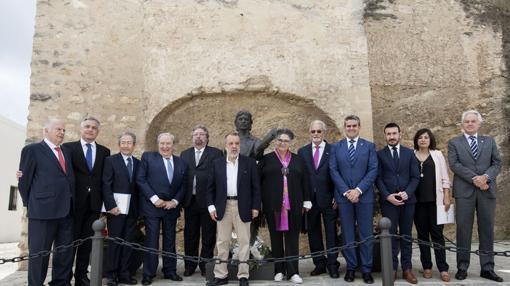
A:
[316,131]
[283,140]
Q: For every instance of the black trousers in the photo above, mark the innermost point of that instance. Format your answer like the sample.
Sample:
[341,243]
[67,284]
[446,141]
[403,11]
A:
[118,256]
[285,243]
[317,218]
[198,224]
[425,220]
[82,228]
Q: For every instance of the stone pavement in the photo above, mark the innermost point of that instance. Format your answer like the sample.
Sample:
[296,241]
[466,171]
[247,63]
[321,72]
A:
[502,268]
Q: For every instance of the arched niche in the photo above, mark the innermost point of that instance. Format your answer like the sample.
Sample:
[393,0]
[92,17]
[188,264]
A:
[217,112]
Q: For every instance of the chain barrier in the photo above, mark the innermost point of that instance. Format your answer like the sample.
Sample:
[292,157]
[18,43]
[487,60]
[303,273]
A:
[42,253]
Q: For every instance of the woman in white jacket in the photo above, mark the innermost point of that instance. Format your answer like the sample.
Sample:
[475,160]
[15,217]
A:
[433,190]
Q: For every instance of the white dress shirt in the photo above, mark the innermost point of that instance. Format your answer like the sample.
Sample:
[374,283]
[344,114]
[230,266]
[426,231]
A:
[391,150]
[92,146]
[52,147]
[155,198]
[232,170]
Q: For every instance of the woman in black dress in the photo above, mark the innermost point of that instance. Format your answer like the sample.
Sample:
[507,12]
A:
[432,195]
[285,195]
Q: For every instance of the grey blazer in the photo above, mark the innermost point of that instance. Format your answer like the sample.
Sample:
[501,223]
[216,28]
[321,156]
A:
[465,167]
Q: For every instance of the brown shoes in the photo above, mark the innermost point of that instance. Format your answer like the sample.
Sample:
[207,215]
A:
[445,277]
[409,276]
[427,273]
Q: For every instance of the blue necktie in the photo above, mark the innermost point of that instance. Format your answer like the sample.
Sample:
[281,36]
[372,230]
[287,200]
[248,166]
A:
[474,146]
[170,170]
[130,168]
[352,151]
[395,156]
[88,156]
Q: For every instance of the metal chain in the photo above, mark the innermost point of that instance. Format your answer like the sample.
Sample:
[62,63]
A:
[42,253]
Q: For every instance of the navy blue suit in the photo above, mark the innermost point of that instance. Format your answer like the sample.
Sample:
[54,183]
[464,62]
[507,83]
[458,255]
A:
[47,192]
[393,179]
[152,179]
[116,179]
[347,175]
[321,193]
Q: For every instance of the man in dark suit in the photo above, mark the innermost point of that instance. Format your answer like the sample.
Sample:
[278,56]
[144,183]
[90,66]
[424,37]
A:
[119,182]
[316,158]
[353,167]
[161,179]
[88,159]
[475,162]
[196,217]
[397,179]
[47,191]
[233,199]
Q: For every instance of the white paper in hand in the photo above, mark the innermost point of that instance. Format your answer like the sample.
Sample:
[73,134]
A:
[444,217]
[122,201]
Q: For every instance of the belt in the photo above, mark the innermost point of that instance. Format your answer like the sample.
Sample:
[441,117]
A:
[231,197]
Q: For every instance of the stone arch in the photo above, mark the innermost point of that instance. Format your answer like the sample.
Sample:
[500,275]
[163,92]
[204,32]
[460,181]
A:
[217,111]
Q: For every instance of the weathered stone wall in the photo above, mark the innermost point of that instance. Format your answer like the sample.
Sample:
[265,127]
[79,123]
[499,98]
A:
[431,60]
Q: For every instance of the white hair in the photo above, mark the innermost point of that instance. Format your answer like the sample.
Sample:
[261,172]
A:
[468,112]
[172,137]
[319,122]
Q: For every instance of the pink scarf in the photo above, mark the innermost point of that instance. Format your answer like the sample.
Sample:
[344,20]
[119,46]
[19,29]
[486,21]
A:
[282,224]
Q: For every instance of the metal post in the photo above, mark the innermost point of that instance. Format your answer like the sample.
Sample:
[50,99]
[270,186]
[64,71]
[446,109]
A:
[386,255]
[96,256]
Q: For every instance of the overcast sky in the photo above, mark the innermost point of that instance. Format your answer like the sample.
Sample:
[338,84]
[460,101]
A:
[16,31]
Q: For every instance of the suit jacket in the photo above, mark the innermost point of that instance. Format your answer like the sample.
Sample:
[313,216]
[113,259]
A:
[402,178]
[248,187]
[88,183]
[200,171]
[321,185]
[465,166]
[152,179]
[270,170]
[362,173]
[45,189]
[116,180]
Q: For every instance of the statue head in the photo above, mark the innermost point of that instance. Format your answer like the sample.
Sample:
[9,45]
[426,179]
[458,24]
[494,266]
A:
[243,120]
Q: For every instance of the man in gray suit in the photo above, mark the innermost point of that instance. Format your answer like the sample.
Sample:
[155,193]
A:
[475,162]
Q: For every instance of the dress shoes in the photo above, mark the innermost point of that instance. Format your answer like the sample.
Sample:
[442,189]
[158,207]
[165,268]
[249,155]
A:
[491,275]
[445,277]
[318,270]
[82,281]
[427,273]
[173,277]
[367,278]
[243,282]
[188,272]
[461,274]
[218,281]
[333,272]
[409,276]
[128,281]
[146,280]
[111,282]
[349,276]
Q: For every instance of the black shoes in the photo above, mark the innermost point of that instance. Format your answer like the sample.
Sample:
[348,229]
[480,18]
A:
[243,282]
[220,281]
[173,277]
[318,270]
[333,271]
[367,278]
[188,272]
[349,276]
[491,275]
[146,280]
[461,274]
[128,281]
[81,281]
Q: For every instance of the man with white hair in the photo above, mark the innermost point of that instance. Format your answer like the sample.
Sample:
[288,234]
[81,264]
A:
[475,162]
[161,179]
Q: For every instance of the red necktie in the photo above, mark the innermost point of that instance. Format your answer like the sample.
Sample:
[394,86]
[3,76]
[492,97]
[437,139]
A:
[316,156]
[61,159]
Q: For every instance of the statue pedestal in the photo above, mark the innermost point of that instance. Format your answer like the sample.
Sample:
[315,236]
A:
[259,272]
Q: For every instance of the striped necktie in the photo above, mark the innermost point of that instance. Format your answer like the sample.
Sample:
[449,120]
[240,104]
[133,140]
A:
[474,146]
[352,151]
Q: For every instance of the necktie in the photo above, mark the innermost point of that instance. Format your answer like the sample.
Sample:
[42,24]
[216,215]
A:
[170,170]
[130,168]
[474,146]
[316,155]
[61,159]
[352,151]
[88,156]
[395,156]
[197,157]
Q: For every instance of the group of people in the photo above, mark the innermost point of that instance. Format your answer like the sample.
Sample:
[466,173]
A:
[65,185]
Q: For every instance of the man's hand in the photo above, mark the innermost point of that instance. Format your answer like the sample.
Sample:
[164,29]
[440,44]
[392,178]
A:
[213,215]
[115,211]
[159,203]
[254,213]
[480,180]
[353,195]
[19,174]
[484,187]
[170,205]
[391,198]
[446,202]
[404,196]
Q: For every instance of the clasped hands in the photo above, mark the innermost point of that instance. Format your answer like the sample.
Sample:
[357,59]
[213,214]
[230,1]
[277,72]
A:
[397,199]
[161,204]
[481,182]
[352,195]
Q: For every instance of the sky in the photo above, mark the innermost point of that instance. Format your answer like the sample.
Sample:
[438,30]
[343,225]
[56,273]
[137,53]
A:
[16,30]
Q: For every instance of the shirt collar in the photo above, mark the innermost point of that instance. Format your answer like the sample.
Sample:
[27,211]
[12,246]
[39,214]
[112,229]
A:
[171,158]
[125,157]
[391,147]
[322,145]
[201,150]
[236,161]
[467,136]
[355,139]
[84,143]
[50,144]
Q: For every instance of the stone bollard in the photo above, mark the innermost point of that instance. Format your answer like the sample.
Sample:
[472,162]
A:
[96,256]
[386,255]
